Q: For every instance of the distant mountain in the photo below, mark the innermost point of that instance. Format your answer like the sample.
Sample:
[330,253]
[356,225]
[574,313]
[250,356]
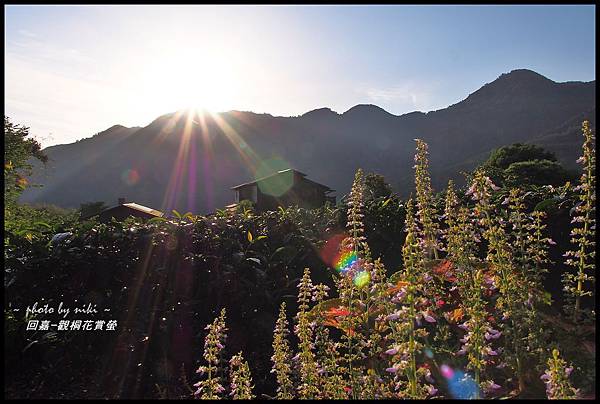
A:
[189,162]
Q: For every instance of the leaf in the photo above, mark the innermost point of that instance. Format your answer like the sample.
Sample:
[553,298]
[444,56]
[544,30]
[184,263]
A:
[456,315]
[29,345]
[43,224]
[394,289]
[10,282]
[253,260]
[249,236]
[443,267]
[50,335]
[157,219]
[395,277]
[261,272]
[323,306]
[385,203]
[177,214]
[260,237]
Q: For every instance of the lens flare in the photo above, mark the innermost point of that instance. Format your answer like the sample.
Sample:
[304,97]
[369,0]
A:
[446,371]
[271,177]
[362,278]
[330,251]
[130,176]
[345,261]
[349,260]
[461,385]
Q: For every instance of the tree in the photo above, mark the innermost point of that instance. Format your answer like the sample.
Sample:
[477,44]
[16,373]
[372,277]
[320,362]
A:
[19,149]
[376,187]
[536,172]
[503,157]
[89,209]
[525,164]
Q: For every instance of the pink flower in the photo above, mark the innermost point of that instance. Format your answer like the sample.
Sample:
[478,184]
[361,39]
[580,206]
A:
[392,351]
[393,316]
[429,318]
[492,334]
[493,386]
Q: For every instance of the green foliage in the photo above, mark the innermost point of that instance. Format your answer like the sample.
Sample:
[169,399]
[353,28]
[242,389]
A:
[245,207]
[89,209]
[583,233]
[536,172]
[376,187]
[241,380]
[480,308]
[19,149]
[426,212]
[282,356]
[524,165]
[211,387]
[503,157]
[556,378]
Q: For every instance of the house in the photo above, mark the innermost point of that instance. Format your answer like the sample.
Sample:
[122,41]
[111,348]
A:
[124,210]
[284,188]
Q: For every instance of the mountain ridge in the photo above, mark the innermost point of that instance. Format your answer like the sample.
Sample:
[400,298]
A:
[520,105]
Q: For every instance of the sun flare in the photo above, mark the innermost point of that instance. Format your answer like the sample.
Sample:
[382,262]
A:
[192,79]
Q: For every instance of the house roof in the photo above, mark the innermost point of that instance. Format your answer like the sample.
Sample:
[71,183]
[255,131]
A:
[138,207]
[282,172]
[144,209]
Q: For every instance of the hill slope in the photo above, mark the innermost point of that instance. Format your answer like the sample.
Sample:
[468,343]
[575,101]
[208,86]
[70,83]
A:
[190,162]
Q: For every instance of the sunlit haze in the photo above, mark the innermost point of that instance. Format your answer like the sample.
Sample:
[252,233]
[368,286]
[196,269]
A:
[75,71]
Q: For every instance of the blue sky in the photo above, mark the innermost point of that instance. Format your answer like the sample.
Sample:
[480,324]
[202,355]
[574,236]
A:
[73,71]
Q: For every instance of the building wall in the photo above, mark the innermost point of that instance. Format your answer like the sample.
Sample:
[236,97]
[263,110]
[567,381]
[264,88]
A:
[302,193]
[248,192]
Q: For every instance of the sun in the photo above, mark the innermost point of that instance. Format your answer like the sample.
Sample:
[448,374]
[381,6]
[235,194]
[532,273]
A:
[192,79]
